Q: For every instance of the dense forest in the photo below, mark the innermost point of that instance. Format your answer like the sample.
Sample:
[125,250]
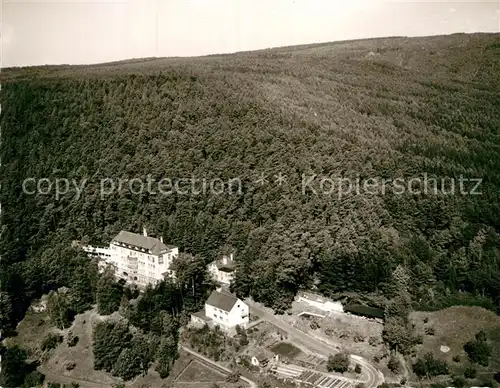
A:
[384,108]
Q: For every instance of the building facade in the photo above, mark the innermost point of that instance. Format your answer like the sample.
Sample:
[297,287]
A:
[223,310]
[137,259]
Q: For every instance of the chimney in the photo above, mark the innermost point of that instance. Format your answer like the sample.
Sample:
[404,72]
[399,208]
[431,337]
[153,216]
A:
[144,231]
[161,239]
[224,259]
[231,257]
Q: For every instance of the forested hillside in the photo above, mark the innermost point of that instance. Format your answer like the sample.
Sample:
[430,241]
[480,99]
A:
[383,108]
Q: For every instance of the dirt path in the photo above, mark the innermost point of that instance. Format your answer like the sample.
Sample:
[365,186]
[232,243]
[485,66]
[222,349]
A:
[57,378]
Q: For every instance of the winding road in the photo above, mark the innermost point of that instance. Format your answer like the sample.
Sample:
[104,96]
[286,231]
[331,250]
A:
[372,376]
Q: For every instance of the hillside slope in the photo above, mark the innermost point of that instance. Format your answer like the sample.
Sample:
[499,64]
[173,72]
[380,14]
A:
[384,108]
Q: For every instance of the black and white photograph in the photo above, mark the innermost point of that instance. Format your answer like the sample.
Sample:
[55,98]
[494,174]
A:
[249,194]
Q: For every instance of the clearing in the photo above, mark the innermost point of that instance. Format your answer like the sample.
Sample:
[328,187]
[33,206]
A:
[197,372]
[452,328]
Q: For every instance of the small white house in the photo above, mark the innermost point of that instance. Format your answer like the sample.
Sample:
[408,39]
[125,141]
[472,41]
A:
[222,271]
[223,310]
[262,359]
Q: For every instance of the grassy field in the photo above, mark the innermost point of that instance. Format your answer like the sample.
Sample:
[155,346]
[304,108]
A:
[197,372]
[455,326]
[81,354]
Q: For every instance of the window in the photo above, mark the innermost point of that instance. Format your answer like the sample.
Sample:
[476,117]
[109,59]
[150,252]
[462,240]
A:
[160,260]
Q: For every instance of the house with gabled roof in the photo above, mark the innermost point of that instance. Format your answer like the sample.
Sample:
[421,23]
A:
[222,270]
[224,310]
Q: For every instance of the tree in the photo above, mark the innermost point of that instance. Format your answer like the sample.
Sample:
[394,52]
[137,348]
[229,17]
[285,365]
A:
[145,347]
[478,350]
[59,309]
[470,373]
[72,339]
[128,364]
[357,369]
[33,379]
[458,382]
[14,367]
[51,341]
[192,277]
[397,335]
[108,293]
[394,365]
[81,296]
[338,363]
[429,366]
[5,311]
[110,339]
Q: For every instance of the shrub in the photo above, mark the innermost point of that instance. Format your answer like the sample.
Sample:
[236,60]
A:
[458,382]
[72,339]
[34,379]
[70,365]
[470,373]
[338,363]
[233,377]
[358,337]
[394,364]
[478,351]
[357,369]
[51,341]
[429,366]
[243,340]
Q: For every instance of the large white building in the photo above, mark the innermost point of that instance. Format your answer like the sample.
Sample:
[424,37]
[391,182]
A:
[222,270]
[223,310]
[137,259]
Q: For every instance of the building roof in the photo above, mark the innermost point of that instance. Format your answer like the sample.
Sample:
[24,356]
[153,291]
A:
[140,241]
[367,311]
[201,315]
[225,263]
[261,356]
[221,300]
[225,267]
